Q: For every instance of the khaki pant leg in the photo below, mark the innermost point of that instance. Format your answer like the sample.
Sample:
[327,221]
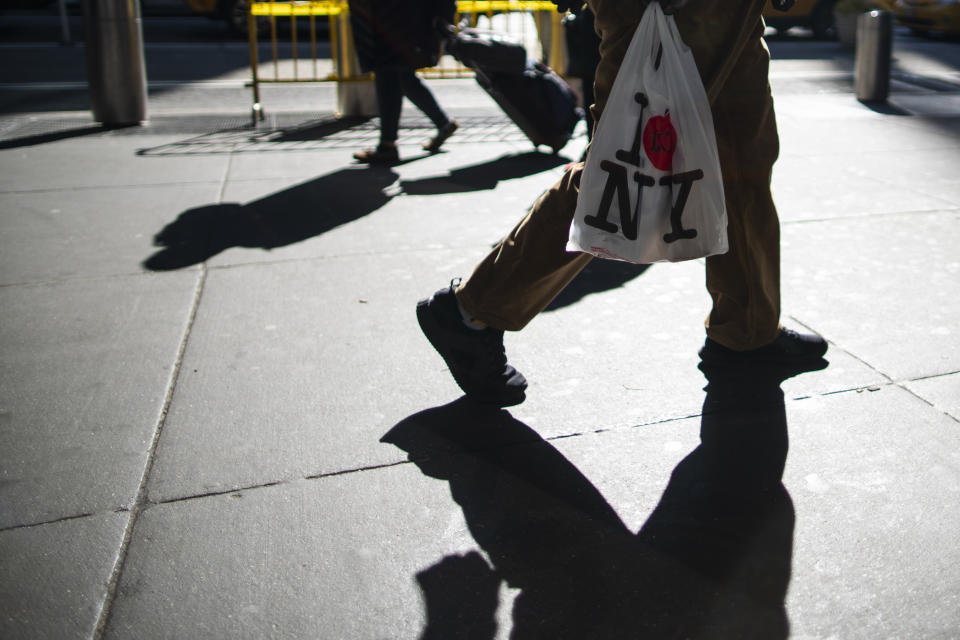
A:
[744,283]
[527,270]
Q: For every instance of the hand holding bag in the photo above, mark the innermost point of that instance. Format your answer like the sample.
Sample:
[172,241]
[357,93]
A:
[651,188]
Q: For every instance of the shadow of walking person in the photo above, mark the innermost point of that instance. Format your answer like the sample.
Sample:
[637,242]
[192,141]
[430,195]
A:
[539,520]
[484,176]
[279,219]
[712,560]
[725,514]
[598,276]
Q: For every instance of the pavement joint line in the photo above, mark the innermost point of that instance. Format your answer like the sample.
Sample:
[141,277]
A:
[96,278]
[834,346]
[622,427]
[225,178]
[343,472]
[78,516]
[340,256]
[870,387]
[101,187]
[867,364]
[222,492]
[902,385]
[934,376]
[140,499]
[275,483]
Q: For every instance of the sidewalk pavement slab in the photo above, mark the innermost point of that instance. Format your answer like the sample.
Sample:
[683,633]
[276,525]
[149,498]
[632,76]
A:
[58,234]
[898,274]
[86,366]
[871,553]
[53,577]
[102,161]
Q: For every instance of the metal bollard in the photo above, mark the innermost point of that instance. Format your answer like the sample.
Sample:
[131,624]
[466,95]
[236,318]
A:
[872,65]
[64,23]
[116,73]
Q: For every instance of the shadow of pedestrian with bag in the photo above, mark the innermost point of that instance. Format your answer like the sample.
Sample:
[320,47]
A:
[712,560]
[277,220]
[485,175]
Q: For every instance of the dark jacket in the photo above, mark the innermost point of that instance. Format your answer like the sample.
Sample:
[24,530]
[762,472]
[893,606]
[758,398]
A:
[583,44]
[398,33]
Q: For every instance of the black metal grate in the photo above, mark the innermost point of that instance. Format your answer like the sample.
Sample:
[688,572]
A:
[213,134]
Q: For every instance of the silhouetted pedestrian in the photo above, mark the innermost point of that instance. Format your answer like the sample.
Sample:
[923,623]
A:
[583,56]
[394,38]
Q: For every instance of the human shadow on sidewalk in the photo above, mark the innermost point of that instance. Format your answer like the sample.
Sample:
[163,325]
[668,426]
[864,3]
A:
[279,219]
[484,176]
[712,560]
[598,276]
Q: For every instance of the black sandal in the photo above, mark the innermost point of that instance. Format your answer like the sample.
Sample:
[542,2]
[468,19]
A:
[433,145]
[383,154]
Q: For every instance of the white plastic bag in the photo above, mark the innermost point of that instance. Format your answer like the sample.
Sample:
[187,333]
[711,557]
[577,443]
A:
[652,189]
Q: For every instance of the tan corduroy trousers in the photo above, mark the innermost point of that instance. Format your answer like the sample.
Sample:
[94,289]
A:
[520,277]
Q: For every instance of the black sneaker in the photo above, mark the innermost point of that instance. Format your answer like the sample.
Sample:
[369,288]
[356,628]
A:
[801,351]
[476,357]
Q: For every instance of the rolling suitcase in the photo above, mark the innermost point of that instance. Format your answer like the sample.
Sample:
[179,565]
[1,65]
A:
[537,100]
[487,49]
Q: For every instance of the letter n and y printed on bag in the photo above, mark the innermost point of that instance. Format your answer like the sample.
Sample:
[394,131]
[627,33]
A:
[658,138]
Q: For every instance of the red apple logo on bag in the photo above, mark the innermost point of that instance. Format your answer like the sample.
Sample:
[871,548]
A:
[660,141]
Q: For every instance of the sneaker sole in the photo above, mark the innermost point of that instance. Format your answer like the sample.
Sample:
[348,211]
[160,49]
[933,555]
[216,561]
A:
[429,325]
[785,367]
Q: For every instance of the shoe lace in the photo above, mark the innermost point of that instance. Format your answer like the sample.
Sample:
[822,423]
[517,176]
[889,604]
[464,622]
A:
[495,353]
[492,354]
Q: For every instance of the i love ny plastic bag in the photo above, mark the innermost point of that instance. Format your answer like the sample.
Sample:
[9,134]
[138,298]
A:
[651,189]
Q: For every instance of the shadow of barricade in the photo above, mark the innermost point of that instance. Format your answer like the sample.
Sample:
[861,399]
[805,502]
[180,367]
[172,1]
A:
[298,131]
[485,175]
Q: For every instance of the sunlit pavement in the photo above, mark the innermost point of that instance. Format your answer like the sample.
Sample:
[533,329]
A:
[219,418]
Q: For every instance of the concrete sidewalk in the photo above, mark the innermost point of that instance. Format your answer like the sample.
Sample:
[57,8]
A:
[214,440]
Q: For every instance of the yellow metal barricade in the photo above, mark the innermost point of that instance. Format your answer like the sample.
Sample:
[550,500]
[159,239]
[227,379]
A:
[332,10]
[341,67]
